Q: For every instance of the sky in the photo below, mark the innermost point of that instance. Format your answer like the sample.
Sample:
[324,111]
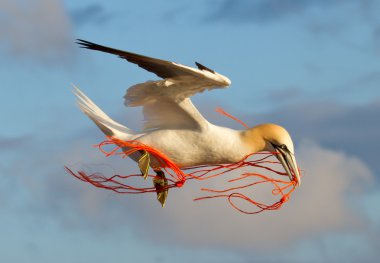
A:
[310,66]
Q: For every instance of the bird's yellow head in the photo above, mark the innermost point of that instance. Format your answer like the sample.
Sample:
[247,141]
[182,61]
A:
[274,138]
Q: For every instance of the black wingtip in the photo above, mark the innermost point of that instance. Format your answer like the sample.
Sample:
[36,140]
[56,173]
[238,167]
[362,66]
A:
[201,67]
[84,43]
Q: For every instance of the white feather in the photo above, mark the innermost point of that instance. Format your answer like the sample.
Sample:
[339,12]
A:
[105,123]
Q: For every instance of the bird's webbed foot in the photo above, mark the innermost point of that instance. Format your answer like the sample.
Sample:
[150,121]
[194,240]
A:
[144,163]
[161,183]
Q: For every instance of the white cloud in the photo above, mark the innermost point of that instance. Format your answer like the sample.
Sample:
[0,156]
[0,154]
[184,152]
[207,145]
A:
[319,206]
[39,29]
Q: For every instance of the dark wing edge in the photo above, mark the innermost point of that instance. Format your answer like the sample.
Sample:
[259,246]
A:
[162,68]
[201,67]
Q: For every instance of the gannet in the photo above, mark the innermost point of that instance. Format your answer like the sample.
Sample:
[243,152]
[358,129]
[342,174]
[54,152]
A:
[174,126]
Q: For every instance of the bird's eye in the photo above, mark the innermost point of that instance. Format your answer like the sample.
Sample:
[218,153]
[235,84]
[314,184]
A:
[282,146]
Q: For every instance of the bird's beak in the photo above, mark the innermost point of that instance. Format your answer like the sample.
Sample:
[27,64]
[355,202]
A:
[289,163]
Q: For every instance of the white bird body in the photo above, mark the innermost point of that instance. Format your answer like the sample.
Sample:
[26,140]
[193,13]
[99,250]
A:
[183,135]
[212,145]
[175,127]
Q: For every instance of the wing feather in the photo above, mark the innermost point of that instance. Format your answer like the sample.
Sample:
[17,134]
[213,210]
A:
[150,64]
[166,114]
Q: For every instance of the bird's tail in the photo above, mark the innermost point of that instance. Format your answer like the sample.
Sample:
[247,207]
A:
[105,123]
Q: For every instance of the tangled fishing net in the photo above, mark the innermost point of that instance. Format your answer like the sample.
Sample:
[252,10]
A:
[242,176]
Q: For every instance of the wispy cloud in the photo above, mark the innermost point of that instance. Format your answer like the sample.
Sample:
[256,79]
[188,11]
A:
[37,29]
[13,143]
[263,11]
[325,20]
[90,14]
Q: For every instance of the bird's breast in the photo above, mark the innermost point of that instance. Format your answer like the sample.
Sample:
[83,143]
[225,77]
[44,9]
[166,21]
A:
[215,145]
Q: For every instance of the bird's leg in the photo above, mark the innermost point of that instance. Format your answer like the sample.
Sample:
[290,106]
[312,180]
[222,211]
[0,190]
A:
[144,163]
[160,183]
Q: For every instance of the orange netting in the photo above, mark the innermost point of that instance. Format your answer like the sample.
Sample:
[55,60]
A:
[177,177]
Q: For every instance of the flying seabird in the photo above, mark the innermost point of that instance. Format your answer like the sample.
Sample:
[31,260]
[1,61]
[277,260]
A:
[174,126]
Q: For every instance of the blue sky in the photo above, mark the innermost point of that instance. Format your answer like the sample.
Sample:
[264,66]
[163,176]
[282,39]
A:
[311,66]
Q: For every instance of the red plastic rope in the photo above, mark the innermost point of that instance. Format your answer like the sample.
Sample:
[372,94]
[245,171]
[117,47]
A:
[177,177]
[114,183]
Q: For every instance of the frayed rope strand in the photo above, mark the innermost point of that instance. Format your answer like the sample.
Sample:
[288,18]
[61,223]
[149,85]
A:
[125,149]
[280,188]
[221,111]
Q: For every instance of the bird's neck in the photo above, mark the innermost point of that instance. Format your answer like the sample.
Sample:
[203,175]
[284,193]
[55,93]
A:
[254,139]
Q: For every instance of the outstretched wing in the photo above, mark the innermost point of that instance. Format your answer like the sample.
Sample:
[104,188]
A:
[162,68]
[166,102]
